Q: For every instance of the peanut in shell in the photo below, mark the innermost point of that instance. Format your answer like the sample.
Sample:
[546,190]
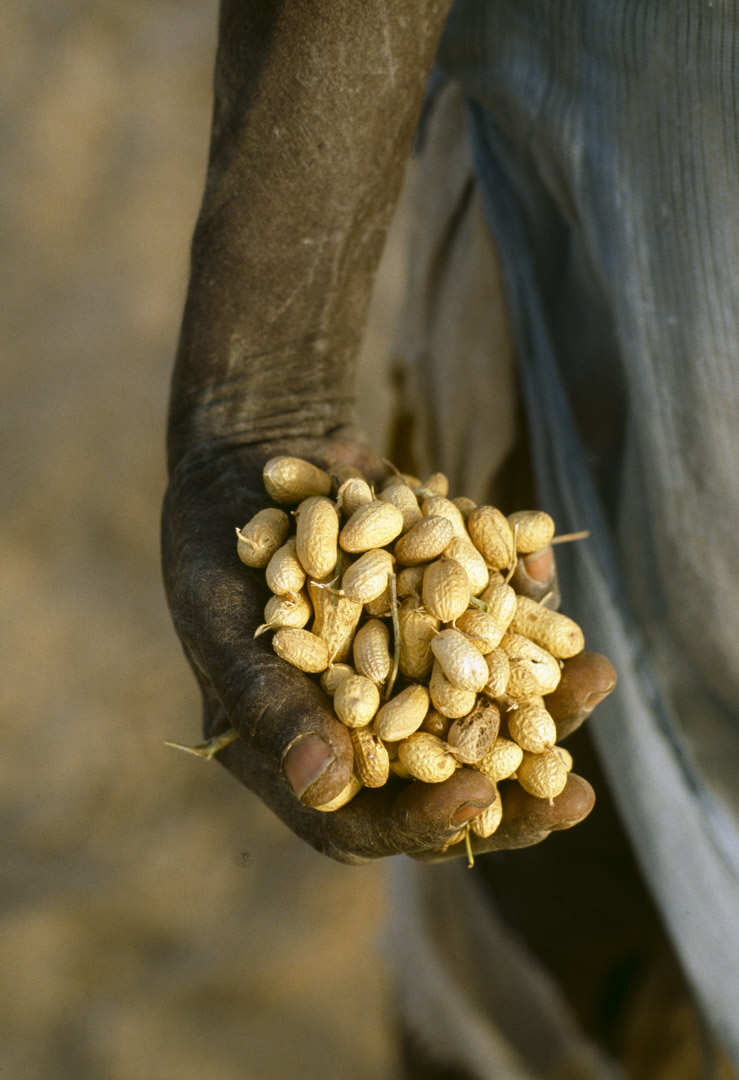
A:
[448,699]
[501,760]
[467,555]
[533,530]
[446,589]
[353,787]
[462,663]
[470,737]
[294,611]
[352,494]
[501,602]
[417,630]
[558,634]
[527,655]
[356,700]
[371,651]
[426,758]
[439,506]
[492,536]
[371,526]
[487,822]
[262,535]
[336,619]
[301,649]
[289,480]
[499,671]
[543,775]
[403,714]
[367,577]
[333,675]
[371,759]
[284,572]
[424,541]
[400,495]
[532,727]
[481,629]
[316,536]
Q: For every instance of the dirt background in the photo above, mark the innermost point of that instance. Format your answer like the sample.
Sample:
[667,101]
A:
[156,922]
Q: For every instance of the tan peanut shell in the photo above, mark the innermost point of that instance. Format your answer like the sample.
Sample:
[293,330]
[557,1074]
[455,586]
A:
[410,581]
[336,619]
[341,473]
[542,775]
[301,649]
[464,505]
[564,756]
[501,760]
[371,526]
[501,601]
[287,611]
[481,629]
[335,674]
[371,760]
[262,535]
[532,727]
[522,683]
[446,589]
[284,572]
[436,724]
[401,478]
[400,495]
[356,700]
[426,758]
[437,484]
[352,494]
[438,506]
[316,536]
[524,653]
[470,737]
[353,787]
[424,541]
[492,536]
[533,530]
[289,480]
[366,578]
[486,823]
[558,634]
[380,607]
[467,555]
[417,630]
[371,650]
[403,714]
[499,670]
[463,664]
[448,699]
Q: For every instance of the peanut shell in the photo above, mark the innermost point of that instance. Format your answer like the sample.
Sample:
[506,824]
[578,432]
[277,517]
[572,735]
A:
[424,541]
[481,629]
[371,651]
[492,536]
[542,775]
[446,589]
[486,823]
[356,700]
[353,787]
[262,535]
[366,578]
[532,727]
[467,555]
[533,530]
[417,630]
[470,737]
[289,480]
[316,536]
[426,758]
[301,649]
[501,760]
[463,664]
[403,714]
[558,634]
[448,699]
[371,526]
[524,653]
[400,495]
[371,760]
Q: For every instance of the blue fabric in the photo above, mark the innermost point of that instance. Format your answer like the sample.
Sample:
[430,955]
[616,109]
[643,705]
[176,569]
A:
[607,143]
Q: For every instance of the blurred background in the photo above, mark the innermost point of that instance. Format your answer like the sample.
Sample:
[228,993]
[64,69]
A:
[155,921]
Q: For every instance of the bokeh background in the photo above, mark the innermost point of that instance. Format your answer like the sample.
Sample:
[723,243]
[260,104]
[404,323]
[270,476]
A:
[155,920]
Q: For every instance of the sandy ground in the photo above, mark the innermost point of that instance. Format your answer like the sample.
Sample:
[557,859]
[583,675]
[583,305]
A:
[156,921]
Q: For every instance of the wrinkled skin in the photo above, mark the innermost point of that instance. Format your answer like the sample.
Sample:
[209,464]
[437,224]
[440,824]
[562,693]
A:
[316,107]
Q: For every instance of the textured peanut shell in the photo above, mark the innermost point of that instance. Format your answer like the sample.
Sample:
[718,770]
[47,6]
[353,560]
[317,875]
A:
[501,602]
[410,582]
[467,555]
[262,535]
[356,701]
[417,630]
[437,484]
[352,494]
[366,578]
[492,536]
[371,651]
[284,572]
[426,758]
[533,529]
[371,760]
[301,649]
[462,663]
[532,727]
[336,620]
[470,737]
[334,675]
[448,699]
[481,629]
[424,541]
[486,823]
[438,506]
[289,480]
[403,714]
[558,634]
[316,536]
[400,495]
[288,611]
[446,589]
[542,775]
[501,760]
[353,788]
[372,526]
[499,671]
[524,653]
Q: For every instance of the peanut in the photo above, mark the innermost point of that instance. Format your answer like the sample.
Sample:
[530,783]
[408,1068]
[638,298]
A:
[289,480]
[284,572]
[492,536]
[467,555]
[424,541]
[501,601]
[353,787]
[356,700]
[301,649]
[471,736]
[400,495]
[463,664]
[446,589]
[403,714]
[366,578]
[556,633]
[542,775]
[371,526]
[426,758]
[501,760]
[437,484]
[262,536]
[481,629]
[335,674]
[417,629]
[336,619]
[485,824]
[316,536]
[286,611]
[448,699]
[438,506]
[533,530]
[371,651]
[532,727]
[371,759]
[352,494]
[499,670]
[410,581]
[525,654]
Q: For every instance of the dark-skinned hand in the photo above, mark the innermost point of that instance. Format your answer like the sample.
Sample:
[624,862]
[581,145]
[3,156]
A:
[292,751]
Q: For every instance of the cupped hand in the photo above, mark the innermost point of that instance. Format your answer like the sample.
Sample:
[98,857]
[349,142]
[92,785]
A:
[292,750]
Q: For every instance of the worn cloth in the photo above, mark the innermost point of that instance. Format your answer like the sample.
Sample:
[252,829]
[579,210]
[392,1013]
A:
[605,147]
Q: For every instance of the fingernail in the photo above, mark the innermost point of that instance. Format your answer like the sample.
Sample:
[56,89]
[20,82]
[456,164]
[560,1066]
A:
[539,565]
[595,699]
[305,761]
[466,811]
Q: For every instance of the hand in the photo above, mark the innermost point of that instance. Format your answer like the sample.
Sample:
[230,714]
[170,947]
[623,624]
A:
[292,750]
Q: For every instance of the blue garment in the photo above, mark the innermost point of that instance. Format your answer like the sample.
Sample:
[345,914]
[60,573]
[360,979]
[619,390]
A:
[606,142]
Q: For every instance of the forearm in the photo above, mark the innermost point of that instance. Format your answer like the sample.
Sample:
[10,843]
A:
[316,106]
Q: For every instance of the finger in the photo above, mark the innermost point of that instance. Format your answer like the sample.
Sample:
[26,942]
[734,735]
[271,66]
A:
[527,820]
[586,680]
[535,576]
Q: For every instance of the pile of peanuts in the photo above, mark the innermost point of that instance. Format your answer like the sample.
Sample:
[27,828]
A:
[433,661]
